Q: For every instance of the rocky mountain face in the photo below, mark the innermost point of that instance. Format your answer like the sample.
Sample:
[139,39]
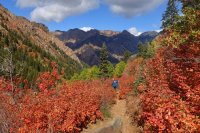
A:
[87,45]
[108,33]
[36,32]
[31,43]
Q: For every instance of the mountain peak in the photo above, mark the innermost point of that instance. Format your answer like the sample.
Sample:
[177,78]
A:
[125,32]
[75,30]
[152,33]
[86,29]
[88,44]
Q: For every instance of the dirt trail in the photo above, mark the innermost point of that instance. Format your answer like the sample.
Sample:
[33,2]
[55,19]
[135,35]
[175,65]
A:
[119,123]
[119,110]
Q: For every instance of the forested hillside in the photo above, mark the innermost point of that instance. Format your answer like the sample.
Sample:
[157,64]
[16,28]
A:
[27,48]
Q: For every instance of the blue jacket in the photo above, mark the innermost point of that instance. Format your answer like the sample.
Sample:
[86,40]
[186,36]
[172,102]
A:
[115,84]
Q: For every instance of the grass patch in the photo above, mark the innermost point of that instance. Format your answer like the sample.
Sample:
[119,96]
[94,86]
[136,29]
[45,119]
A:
[105,109]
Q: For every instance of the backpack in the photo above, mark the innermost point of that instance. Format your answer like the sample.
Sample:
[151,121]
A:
[115,84]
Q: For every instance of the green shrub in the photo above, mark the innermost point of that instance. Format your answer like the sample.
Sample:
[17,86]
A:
[110,68]
[146,50]
[87,74]
[119,69]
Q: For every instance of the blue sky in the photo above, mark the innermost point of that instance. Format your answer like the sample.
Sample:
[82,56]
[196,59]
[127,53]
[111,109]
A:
[117,15]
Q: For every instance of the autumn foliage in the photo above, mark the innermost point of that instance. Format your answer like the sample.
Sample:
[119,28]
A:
[8,112]
[170,90]
[170,94]
[170,87]
[68,107]
[48,80]
[166,86]
[68,110]
[128,77]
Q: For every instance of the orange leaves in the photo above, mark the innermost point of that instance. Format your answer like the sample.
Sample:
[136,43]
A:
[27,121]
[8,112]
[47,80]
[172,94]
[141,88]
[126,85]
[68,110]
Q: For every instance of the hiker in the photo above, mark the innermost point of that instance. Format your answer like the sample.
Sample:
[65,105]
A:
[115,84]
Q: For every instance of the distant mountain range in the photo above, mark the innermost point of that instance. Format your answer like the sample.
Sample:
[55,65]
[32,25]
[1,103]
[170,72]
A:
[87,45]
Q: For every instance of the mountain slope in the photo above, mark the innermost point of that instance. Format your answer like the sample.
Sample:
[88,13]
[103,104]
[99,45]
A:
[34,46]
[36,32]
[87,45]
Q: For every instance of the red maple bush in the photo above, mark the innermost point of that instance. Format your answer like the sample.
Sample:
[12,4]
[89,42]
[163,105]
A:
[126,85]
[170,91]
[48,80]
[127,80]
[68,110]
[170,94]
[67,107]
[8,108]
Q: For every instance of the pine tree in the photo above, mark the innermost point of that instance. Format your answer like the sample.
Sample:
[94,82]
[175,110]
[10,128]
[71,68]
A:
[104,61]
[127,54]
[190,3]
[170,15]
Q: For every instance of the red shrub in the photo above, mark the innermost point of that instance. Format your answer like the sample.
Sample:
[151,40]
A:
[67,110]
[172,95]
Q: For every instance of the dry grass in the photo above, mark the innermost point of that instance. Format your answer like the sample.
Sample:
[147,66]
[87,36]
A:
[134,110]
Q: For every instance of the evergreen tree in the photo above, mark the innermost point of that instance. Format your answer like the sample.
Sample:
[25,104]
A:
[142,49]
[170,15]
[190,3]
[127,54]
[104,61]
[146,50]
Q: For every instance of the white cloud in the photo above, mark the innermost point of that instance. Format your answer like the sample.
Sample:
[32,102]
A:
[57,10]
[158,30]
[27,3]
[86,29]
[134,31]
[129,8]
